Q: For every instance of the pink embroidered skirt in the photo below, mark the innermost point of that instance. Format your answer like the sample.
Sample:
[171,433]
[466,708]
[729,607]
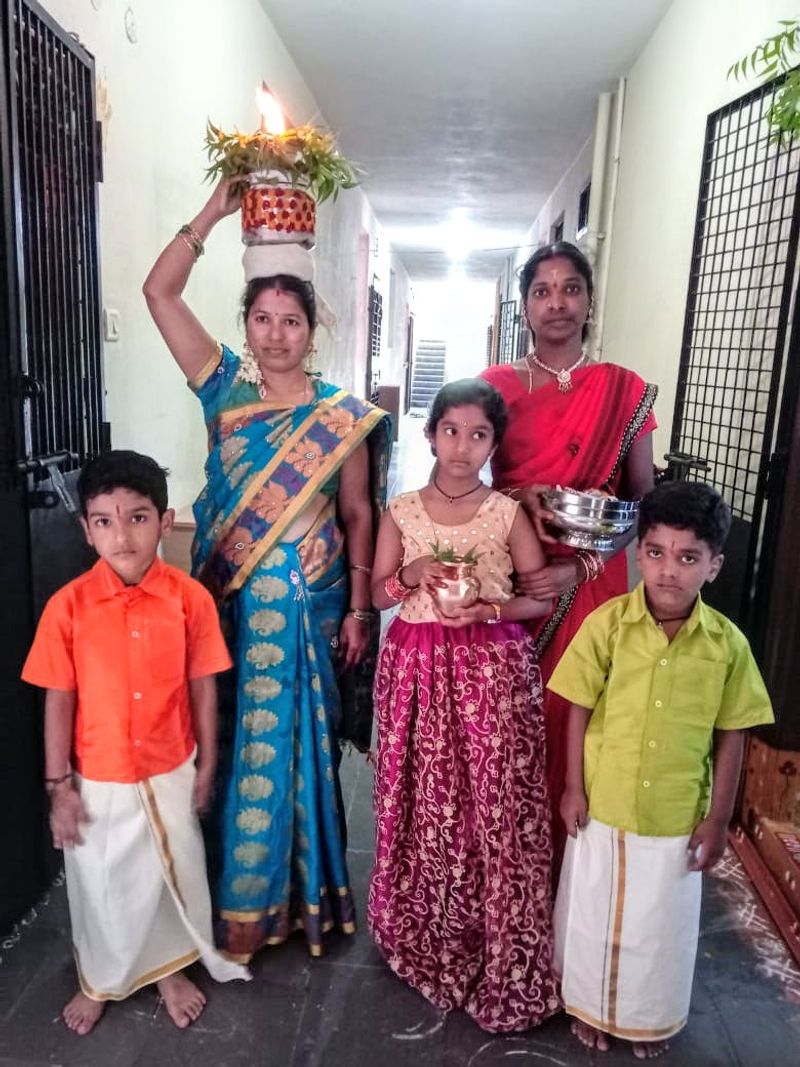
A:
[459,898]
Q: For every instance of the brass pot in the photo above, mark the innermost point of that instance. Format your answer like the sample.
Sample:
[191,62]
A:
[460,589]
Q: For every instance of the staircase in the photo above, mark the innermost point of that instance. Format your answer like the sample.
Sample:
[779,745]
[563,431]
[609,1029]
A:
[428,375]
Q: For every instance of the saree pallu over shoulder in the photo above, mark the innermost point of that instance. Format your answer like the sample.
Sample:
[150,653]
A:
[580,438]
[279,850]
[265,466]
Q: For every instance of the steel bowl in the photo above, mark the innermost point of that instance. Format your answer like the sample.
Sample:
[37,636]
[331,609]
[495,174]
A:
[586,520]
[572,502]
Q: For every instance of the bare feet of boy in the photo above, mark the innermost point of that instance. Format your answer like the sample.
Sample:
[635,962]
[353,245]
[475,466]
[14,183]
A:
[183,1000]
[81,1013]
[590,1036]
[648,1050]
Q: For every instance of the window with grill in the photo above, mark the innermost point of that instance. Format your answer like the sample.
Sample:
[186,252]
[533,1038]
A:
[583,210]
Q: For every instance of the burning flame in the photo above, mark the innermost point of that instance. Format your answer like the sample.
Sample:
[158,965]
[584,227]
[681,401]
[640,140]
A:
[272,120]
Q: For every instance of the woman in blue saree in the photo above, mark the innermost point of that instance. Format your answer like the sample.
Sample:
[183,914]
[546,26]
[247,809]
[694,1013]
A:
[295,471]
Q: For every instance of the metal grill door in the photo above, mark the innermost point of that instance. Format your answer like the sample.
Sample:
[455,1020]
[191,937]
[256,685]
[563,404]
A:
[740,290]
[375,326]
[50,383]
[508,328]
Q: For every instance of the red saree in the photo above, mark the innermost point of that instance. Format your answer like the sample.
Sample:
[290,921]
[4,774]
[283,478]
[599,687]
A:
[578,439]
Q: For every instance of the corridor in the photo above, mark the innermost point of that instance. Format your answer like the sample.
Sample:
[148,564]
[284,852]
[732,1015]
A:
[348,1010]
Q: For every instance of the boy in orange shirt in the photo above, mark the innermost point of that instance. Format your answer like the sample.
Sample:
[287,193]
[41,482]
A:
[128,654]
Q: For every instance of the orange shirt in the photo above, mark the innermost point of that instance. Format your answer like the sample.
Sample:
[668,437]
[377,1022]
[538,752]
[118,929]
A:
[130,652]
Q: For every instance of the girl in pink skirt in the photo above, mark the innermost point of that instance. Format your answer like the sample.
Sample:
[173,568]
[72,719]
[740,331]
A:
[459,898]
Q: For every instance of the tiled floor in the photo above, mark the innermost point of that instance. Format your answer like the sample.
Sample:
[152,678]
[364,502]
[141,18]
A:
[348,1010]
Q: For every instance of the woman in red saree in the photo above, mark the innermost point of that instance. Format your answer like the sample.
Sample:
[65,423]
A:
[573,423]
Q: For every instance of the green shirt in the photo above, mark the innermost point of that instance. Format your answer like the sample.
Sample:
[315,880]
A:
[655,706]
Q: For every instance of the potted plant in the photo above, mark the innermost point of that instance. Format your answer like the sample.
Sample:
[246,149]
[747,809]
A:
[459,586]
[281,175]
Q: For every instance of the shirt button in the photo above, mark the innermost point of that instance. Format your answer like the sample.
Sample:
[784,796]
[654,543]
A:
[663,662]
[658,703]
[651,744]
[134,633]
[137,743]
[646,785]
[137,696]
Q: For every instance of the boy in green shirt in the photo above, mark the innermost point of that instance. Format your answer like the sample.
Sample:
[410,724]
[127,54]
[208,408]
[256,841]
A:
[661,687]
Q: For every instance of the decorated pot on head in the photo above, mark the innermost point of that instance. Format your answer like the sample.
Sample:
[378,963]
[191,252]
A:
[277,212]
[459,586]
[282,174]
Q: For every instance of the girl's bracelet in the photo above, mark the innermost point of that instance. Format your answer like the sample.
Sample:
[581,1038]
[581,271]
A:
[362,570]
[497,610]
[394,587]
[358,613]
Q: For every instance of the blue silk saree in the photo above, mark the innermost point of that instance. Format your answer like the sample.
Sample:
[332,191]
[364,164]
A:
[278,854]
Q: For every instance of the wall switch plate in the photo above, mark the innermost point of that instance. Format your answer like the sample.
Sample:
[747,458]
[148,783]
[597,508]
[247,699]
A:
[110,324]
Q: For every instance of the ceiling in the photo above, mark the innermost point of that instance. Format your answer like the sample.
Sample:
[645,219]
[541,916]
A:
[472,106]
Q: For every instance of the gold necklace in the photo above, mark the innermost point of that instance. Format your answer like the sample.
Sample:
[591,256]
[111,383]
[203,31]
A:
[263,390]
[563,375]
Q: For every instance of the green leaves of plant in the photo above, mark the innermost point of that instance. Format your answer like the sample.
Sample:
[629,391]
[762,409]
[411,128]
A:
[768,60]
[449,554]
[306,155]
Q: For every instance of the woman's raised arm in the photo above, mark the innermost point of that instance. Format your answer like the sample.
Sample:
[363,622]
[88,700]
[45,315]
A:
[186,338]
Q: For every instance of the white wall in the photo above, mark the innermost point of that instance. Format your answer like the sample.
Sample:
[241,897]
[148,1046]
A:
[563,200]
[679,78]
[458,312]
[193,61]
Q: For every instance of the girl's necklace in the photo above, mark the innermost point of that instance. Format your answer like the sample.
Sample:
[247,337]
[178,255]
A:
[562,376]
[459,496]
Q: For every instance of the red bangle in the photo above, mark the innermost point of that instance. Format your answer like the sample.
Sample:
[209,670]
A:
[394,587]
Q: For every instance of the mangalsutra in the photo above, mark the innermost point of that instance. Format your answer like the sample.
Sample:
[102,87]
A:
[459,496]
[563,375]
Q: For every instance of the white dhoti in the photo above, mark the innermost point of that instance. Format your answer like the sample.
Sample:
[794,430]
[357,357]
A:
[137,888]
[626,922]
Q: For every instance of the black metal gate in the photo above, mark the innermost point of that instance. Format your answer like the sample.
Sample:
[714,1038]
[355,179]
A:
[742,279]
[50,380]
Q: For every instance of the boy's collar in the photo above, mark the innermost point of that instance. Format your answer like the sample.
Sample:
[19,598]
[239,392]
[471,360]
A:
[107,582]
[701,615]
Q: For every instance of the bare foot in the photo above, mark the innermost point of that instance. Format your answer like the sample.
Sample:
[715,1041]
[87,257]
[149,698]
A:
[648,1050]
[81,1013]
[183,1000]
[590,1036]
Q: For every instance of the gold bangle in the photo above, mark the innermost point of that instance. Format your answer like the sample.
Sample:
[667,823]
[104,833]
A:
[497,610]
[358,567]
[188,244]
[192,239]
[360,614]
